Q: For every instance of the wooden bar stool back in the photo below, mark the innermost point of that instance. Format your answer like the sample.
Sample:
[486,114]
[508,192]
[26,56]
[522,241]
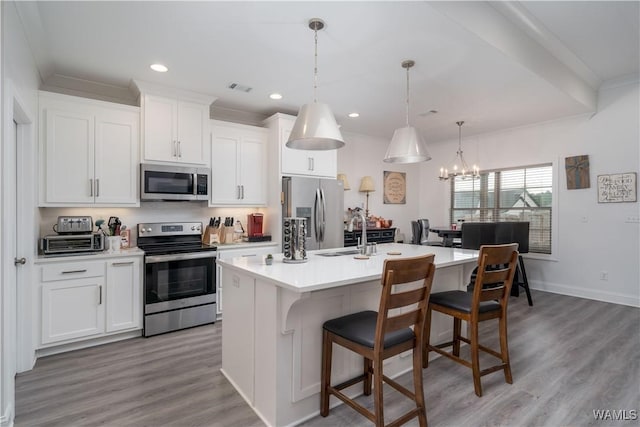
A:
[379,335]
[496,269]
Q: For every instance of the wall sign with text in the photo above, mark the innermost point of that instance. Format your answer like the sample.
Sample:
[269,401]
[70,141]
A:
[617,187]
[395,187]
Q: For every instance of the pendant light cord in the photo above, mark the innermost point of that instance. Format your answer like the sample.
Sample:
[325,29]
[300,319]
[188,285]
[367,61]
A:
[408,96]
[315,66]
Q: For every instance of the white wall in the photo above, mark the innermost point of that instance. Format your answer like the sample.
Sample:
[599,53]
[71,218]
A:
[605,242]
[361,156]
[20,80]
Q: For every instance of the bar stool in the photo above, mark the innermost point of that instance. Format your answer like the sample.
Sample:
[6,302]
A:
[379,335]
[496,269]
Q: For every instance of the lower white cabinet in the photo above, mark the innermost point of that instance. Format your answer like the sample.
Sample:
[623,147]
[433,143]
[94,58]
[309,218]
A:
[88,299]
[224,253]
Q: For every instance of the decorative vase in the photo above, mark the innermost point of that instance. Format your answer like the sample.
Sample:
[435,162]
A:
[113,243]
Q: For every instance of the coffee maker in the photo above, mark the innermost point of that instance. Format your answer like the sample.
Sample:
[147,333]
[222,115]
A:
[255,222]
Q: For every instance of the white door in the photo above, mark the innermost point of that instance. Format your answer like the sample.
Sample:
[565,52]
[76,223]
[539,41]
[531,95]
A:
[224,154]
[191,130]
[252,171]
[116,158]
[124,305]
[160,133]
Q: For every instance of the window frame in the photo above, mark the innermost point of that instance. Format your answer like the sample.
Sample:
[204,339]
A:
[552,256]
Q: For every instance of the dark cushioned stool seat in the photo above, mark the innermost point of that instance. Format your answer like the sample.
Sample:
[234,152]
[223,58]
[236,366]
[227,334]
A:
[361,328]
[461,301]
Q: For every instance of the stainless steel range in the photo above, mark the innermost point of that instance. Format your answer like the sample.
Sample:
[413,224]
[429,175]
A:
[180,277]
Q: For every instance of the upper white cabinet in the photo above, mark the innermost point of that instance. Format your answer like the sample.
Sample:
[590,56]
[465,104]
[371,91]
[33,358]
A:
[301,162]
[238,164]
[175,124]
[88,152]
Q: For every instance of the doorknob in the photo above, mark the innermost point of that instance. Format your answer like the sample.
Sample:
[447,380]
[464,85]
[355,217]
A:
[21,261]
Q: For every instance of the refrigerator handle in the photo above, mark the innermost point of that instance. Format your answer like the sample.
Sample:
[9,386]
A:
[316,211]
[323,220]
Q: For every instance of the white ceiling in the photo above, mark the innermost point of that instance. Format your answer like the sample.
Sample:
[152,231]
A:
[494,65]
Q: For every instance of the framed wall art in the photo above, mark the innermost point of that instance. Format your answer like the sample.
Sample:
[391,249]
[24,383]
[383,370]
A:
[617,188]
[395,188]
[577,169]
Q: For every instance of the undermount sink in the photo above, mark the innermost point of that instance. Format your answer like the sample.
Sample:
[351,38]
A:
[340,253]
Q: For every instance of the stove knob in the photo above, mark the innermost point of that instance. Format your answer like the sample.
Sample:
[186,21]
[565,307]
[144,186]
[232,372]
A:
[194,228]
[149,230]
[142,231]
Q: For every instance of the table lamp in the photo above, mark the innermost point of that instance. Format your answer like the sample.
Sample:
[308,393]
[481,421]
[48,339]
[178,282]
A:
[366,186]
[343,177]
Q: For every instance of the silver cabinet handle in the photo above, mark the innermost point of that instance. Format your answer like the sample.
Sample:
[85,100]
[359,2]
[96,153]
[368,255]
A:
[100,295]
[91,187]
[19,261]
[97,187]
[175,149]
[242,191]
[313,164]
[121,263]
[74,271]
[237,192]
[309,163]
[179,149]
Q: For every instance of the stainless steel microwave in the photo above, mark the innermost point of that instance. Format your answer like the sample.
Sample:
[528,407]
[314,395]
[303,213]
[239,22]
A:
[162,182]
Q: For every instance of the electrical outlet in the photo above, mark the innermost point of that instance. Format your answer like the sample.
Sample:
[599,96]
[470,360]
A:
[604,275]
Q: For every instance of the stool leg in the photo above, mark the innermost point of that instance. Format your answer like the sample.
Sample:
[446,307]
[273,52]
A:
[426,335]
[325,380]
[457,327]
[377,377]
[525,282]
[475,358]
[417,384]
[367,376]
[504,349]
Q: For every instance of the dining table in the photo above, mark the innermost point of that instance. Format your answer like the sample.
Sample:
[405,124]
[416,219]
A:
[448,234]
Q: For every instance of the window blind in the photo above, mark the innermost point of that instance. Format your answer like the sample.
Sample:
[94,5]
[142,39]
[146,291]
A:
[518,194]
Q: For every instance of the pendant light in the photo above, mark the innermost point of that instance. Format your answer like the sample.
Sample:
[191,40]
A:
[316,127]
[460,167]
[407,145]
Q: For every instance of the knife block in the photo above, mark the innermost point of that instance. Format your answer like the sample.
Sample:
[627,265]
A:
[210,236]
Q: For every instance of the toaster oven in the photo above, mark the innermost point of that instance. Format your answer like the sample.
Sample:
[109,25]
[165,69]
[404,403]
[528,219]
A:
[72,244]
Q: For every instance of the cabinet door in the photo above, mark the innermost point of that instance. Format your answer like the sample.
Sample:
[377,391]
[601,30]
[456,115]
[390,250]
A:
[324,163]
[69,152]
[116,157]
[252,173]
[160,128]
[192,118]
[306,162]
[224,168]
[124,305]
[72,309]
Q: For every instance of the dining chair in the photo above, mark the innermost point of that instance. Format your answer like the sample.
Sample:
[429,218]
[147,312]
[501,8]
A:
[496,269]
[377,336]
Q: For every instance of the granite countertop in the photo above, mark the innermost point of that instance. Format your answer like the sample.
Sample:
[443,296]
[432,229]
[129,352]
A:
[322,272]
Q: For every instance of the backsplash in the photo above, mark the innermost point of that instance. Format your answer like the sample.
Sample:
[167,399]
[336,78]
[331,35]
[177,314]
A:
[148,212]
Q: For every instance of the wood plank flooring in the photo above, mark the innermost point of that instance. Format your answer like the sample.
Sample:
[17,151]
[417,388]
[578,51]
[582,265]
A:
[569,356]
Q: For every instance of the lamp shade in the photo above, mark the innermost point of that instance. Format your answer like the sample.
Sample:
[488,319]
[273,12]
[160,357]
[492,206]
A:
[315,129]
[366,184]
[407,146]
[342,177]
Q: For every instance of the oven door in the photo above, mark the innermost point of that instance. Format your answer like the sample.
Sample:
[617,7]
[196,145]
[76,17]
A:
[179,280]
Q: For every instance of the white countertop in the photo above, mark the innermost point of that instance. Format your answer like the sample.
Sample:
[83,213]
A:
[244,245]
[327,272]
[92,256]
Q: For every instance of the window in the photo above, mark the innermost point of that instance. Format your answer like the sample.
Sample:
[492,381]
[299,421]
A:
[519,194]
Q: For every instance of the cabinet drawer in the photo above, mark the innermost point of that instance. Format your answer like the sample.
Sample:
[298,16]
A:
[68,271]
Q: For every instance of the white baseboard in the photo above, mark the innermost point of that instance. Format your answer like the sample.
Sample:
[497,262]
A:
[6,420]
[598,295]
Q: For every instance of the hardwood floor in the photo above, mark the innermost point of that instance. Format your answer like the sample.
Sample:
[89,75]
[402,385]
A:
[569,356]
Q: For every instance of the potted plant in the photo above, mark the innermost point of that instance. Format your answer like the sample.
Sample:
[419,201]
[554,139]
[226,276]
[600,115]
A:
[269,259]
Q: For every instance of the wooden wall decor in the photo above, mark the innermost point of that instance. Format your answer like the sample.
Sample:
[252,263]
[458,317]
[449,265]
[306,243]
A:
[577,169]
[395,188]
[617,188]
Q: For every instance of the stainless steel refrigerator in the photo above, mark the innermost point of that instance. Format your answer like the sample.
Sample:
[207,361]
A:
[321,201]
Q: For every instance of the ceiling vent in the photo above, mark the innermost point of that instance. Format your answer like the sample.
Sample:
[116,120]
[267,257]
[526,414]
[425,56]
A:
[241,88]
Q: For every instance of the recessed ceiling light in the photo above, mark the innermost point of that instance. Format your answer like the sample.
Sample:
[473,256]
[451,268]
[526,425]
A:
[159,68]
[275,96]
[354,115]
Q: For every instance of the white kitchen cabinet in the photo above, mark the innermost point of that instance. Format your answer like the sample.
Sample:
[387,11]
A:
[72,301]
[301,162]
[89,152]
[124,298]
[175,124]
[231,252]
[81,300]
[239,164]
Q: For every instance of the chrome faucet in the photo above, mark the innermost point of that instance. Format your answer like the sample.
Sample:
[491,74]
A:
[359,212]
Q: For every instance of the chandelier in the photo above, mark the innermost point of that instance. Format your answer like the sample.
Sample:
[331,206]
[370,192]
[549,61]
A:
[460,167]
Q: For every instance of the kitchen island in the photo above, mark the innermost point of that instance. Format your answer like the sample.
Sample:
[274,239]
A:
[272,329]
